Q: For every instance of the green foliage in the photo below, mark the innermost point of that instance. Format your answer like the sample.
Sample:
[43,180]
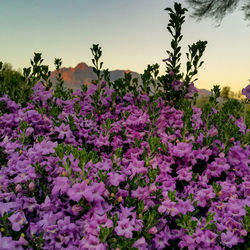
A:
[149,79]
[196,50]
[97,53]
[187,223]
[12,83]
[60,90]
[225,92]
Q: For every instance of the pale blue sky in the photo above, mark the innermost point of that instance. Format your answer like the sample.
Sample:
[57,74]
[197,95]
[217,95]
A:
[132,34]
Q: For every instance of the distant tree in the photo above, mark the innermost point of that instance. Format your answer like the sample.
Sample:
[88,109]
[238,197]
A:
[202,100]
[11,81]
[225,92]
[217,9]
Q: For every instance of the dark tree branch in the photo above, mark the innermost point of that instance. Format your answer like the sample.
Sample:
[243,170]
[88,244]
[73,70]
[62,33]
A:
[217,9]
[246,9]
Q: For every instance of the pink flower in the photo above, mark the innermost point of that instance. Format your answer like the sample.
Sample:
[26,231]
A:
[152,230]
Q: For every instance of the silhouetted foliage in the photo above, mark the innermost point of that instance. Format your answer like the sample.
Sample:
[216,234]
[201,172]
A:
[217,9]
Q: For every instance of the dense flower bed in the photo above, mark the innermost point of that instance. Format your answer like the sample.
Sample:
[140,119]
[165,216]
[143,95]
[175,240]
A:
[133,175]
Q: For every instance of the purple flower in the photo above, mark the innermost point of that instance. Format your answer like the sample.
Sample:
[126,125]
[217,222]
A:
[184,174]
[45,147]
[7,207]
[29,131]
[161,239]
[92,242]
[191,90]
[182,149]
[124,228]
[212,132]
[177,85]
[7,243]
[171,73]
[168,207]
[241,124]
[141,193]
[17,220]
[102,141]
[77,191]
[185,206]
[229,239]
[140,244]
[187,241]
[246,91]
[61,185]
[64,130]
[94,192]
[235,208]
[167,59]
[217,167]
[203,195]
[115,178]
[126,212]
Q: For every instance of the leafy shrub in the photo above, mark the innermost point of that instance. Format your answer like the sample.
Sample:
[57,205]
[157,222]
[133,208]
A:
[105,169]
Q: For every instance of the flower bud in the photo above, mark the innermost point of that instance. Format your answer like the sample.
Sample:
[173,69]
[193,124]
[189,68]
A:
[152,188]
[103,83]
[243,232]
[221,155]
[64,173]
[152,230]
[171,73]
[106,193]
[29,131]
[119,199]
[76,209]
[18,188]
[219,194]
[31,186]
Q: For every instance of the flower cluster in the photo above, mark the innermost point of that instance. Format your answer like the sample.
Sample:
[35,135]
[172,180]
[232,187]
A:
[76,177]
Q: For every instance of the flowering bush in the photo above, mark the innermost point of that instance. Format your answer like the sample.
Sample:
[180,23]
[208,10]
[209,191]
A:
[104,169]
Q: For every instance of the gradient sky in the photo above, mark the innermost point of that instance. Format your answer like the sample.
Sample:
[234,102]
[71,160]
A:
[132,34]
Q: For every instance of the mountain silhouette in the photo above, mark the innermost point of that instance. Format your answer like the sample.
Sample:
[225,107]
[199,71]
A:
[84,74]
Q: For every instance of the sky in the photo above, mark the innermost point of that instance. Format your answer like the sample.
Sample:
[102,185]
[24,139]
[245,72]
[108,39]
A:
[131,33]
